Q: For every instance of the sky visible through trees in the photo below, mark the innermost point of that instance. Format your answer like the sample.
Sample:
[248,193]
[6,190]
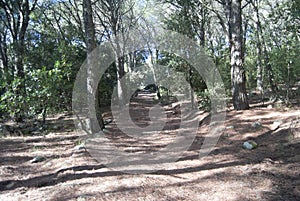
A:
[254,45]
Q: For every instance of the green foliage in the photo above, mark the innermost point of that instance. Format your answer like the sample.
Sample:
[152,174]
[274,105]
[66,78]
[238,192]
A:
[54,50]
[204,102]
[286,64]
[43,86]
[11,101]
[180,65]
[206,96]
[106,85]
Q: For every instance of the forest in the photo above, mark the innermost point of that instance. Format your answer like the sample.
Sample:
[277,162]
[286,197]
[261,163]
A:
[149,99]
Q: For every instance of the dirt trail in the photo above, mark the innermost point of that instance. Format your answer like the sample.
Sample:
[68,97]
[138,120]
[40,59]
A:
[270,172]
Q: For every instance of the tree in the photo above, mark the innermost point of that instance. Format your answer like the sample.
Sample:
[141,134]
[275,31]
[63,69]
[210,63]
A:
[258,31]
[282,45]
[6,71]
[93,96]
[262,51]
[116,18]
[238,76]
[17,16]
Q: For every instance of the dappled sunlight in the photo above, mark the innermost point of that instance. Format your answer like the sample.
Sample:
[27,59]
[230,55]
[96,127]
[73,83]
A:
[149,171]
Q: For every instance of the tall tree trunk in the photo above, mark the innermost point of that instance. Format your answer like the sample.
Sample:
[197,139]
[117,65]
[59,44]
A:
[262,51]
[238,77]
[19,45]
[95,121]
[268,65]
[20,90]
[203,13]
[190,79]
[7,73]
[269,70]
[118,50]
[259,66]
[120,61]
[120,87]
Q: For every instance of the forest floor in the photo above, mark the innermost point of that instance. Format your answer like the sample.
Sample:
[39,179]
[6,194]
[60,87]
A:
[229,172]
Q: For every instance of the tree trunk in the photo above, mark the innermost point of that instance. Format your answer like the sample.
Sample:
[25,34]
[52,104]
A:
[259,76]
[190,75]
[238,77]
[118,51]
[7,73]
[269,70]
[120,87]
[20,90]
[262,51]
[203,13]
[95,120]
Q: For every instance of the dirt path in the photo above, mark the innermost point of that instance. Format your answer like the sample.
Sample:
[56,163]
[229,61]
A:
[270,172]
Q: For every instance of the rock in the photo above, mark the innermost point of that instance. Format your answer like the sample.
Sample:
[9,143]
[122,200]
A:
[250,144]
[56,127]
[256,124]
[79,147]
[38,159]
[81,198]
[276,124]
[79,150]
[230,127]
[36,133]
[269,161]
[247,145]
[270,107]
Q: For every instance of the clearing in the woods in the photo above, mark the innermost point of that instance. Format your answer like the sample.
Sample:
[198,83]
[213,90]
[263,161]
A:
[67,171]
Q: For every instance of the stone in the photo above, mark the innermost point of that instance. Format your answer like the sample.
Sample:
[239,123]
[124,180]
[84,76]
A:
[276,124]
[256,124]
[230,127]
[79,147]
[250,144]
[38,159]
[56,127]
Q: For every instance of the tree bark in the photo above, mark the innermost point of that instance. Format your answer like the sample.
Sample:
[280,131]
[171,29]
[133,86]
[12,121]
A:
[259,66]
[269,70]
[7,73]
[120,87]
[238,77]
[115,23]
[262,51]
[95,120]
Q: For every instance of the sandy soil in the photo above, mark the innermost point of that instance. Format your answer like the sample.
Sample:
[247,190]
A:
[229,172]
